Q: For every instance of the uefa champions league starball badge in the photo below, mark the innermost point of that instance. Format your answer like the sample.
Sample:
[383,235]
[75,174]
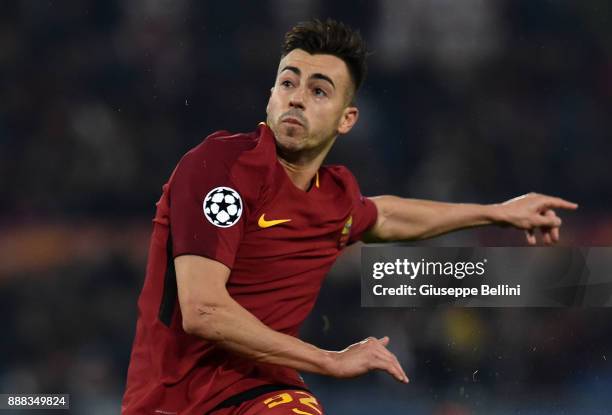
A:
[222,207]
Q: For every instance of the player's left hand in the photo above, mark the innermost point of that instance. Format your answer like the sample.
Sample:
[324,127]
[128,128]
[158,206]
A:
[536,211]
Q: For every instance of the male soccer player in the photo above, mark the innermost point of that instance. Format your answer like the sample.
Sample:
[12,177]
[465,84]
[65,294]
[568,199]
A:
[245,231]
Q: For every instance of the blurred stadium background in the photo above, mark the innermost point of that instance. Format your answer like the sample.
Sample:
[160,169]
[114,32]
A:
[468,100]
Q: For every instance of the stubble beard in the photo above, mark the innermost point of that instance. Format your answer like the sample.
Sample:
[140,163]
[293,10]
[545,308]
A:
[291,138]
[294,143]
[300,148]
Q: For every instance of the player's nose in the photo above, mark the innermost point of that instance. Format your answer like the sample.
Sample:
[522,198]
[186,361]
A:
[296,100]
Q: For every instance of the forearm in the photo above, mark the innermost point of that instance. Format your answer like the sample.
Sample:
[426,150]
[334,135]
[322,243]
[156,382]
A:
[410,219]
[210,312]
[232,327]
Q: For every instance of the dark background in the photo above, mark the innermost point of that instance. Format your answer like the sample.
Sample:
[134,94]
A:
[472,100]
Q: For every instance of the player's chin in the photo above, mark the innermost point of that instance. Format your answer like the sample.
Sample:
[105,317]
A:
[290,142]
[293,131]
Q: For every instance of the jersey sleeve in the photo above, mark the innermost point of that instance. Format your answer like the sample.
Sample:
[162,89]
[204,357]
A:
[207,206]
[364,211]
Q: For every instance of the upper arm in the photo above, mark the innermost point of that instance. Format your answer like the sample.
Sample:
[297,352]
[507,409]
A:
[203,175]
[201,287]
[374,234]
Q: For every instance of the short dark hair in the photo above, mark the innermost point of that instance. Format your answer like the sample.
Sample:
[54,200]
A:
[330,38]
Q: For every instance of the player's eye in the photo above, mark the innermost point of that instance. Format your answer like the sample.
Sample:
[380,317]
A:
[320,92]
[287,83]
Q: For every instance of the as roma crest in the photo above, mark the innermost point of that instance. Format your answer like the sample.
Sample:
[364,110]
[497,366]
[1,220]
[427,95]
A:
[346,232]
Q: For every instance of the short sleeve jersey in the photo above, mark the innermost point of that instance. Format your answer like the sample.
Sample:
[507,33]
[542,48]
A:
[229,199]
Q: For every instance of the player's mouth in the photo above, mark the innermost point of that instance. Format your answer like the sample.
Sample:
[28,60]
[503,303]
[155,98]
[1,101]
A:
[291,120]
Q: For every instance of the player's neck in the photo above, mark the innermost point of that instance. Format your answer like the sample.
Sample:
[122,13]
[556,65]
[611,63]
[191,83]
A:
[301,175]
[302,166]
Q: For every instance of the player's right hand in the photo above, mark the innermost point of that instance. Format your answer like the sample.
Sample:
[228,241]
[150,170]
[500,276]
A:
[536,211]
[369,354]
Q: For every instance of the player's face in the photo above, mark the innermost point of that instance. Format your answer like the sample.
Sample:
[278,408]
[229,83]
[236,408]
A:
[309,103]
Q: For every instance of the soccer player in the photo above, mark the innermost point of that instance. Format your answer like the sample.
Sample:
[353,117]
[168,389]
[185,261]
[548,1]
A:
[245,231]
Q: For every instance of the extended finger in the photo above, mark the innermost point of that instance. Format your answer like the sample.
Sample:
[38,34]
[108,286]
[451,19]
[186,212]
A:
[387,358]
[557,202]
[405,379]
[387,363]
[396,364]
[393,359]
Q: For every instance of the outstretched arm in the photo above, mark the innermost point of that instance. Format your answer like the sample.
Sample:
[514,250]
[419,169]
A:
[211,313]
[411,219]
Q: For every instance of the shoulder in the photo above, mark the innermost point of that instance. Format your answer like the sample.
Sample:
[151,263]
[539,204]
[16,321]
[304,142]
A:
[226,147]
[341,175]
[241,161]
[239,155]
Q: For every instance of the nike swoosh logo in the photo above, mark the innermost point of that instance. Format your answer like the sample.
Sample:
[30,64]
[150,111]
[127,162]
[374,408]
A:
[263,223]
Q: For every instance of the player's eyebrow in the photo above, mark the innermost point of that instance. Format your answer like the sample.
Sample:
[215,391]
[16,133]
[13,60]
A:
[297,71]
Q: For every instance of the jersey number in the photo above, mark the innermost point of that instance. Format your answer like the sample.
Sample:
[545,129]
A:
[285,398]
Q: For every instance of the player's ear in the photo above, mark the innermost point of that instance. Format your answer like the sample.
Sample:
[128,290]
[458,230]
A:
[269,99]
[349,117]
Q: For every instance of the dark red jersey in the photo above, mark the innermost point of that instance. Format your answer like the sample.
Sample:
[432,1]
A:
[229,199]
